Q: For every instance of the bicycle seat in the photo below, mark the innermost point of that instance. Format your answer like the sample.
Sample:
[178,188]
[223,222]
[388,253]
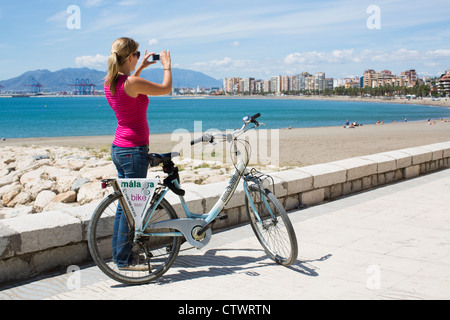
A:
[156,159]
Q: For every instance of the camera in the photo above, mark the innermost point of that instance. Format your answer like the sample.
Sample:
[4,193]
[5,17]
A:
[156,57]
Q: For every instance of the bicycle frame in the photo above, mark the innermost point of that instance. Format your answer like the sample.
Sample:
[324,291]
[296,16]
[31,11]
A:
[200,222]
[193,219]
[159,233]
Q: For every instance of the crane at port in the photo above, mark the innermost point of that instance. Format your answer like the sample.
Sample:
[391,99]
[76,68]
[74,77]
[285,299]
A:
[37,87]
[83,87]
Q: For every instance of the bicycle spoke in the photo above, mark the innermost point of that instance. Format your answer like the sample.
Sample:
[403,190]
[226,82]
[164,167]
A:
[143,257]
[275,234]
[147,259]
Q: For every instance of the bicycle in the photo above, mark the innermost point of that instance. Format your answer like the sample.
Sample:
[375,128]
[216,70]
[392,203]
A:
[155,233]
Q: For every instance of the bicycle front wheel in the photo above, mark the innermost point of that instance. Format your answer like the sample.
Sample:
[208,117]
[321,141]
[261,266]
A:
[151,256]
[272,226]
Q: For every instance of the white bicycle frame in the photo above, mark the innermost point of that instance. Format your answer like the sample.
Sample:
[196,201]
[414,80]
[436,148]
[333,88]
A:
[199,222]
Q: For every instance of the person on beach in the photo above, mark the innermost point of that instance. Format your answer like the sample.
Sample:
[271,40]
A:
[128,96]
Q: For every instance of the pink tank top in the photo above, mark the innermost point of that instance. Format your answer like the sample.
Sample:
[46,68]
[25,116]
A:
[131,113]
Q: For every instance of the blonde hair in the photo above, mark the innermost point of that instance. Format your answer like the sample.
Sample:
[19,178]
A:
[121,49]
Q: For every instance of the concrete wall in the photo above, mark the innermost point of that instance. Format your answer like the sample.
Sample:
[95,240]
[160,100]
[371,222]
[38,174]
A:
[37,243]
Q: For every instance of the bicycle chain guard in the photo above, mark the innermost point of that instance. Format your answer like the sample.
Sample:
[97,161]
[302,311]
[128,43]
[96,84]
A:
[187,227]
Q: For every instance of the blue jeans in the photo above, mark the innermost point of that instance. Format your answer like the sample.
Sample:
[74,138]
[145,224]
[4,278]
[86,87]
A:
[130,163]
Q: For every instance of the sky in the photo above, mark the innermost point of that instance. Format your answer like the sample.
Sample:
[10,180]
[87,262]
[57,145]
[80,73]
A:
[233,38]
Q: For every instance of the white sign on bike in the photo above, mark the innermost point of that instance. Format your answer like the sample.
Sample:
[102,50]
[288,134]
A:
[138,194]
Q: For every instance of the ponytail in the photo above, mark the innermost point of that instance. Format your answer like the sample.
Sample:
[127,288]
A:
[121,49]
[113,73]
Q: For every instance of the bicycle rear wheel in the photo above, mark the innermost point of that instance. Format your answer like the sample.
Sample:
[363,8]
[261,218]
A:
[272,226]
[153,255]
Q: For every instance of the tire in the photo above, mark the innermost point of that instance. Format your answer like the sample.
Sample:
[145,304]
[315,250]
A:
[158,252]
[276,235]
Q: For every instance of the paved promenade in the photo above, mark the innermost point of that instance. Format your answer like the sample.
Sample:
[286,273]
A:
[392,242]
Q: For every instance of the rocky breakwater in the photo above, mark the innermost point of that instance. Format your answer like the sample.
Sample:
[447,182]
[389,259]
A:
[37,179]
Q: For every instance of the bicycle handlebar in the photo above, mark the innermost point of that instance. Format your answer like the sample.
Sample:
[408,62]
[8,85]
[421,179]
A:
[204,138]
[254,117]
[207,137]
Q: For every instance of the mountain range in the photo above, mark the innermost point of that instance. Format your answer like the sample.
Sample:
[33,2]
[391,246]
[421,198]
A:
[61,80]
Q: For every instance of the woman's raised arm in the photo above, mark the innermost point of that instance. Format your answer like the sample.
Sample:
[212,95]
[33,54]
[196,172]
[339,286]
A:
[136,85]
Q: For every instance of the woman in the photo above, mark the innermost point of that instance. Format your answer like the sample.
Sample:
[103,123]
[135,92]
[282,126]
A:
[128,96]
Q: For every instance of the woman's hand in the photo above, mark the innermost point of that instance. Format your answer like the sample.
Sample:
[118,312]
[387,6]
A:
[145,63]
[136,85]
[166,61]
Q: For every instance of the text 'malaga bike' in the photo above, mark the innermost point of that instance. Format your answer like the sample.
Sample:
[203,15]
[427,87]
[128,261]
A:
[154,232]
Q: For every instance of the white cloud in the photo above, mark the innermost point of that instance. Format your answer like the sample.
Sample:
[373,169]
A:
[129,3]
[295,36]
[93,3]
[407,55]
[438,54]
[153,42]
[330,62]
[294,58]
[97,61]
[215,64]
[315,57]
[349,56]
[58,17]
[230,23]
[228,67]
[343,55]
[397,55]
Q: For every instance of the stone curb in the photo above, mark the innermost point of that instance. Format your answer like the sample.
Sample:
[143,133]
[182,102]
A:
[33,244]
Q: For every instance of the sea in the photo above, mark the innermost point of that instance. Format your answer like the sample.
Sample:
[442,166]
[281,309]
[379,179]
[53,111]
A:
[92,116]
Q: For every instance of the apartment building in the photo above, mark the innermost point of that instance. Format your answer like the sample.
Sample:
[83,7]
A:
[231,85]
[299,81]
[329,84]
[374,79]
[410,76]
[285,83]
[247,85]
[275,84]
[349,82]
[319,81]
[279,84]
[309,83]
[266,88]
[259,86]
[316,82]
[444,84]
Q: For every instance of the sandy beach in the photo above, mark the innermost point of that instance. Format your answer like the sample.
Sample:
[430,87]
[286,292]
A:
[438,102]
[44,174]
[297,146]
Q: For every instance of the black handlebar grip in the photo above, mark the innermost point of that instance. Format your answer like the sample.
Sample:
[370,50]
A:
[203,138]
[197,140]
[256,116]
